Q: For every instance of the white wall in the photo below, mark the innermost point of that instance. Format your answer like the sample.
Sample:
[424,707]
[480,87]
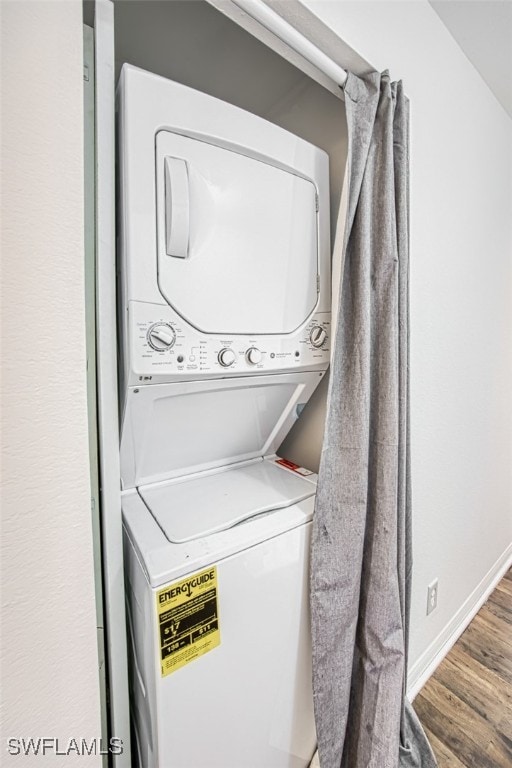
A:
[49,657]
[461,306]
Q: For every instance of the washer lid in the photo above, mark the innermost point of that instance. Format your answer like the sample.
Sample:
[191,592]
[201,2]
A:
[237,238]
[197,507]
[170,430]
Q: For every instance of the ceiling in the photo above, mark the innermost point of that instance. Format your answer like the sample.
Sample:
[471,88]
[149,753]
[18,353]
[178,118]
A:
[483,29]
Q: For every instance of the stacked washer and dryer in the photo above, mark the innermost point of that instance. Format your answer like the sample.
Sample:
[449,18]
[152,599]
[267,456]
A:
[225,314]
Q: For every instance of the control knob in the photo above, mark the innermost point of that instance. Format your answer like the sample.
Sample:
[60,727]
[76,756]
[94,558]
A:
[253,356]
[161,337]
[226,357]
[317,336]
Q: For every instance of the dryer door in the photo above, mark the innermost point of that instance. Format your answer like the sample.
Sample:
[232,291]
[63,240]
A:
[237,239]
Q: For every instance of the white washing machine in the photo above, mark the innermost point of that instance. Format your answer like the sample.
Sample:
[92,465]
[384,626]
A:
[225,321]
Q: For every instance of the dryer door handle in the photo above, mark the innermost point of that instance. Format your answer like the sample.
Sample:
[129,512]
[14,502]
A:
[177,207]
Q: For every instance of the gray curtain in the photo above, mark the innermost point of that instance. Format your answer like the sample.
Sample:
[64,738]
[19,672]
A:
[361,550]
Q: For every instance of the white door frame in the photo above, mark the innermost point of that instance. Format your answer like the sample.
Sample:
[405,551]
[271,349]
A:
[108,421]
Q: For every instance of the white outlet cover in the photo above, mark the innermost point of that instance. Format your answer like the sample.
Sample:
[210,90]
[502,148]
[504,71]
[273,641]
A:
[432,596]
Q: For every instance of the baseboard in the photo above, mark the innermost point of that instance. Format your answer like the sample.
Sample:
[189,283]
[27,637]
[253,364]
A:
[430,659]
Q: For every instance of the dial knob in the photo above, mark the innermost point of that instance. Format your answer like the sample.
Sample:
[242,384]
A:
[253,356]
[161,336]
[317,336]
[226,357]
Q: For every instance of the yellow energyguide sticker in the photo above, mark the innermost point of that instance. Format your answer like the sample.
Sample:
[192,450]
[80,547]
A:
[188,619]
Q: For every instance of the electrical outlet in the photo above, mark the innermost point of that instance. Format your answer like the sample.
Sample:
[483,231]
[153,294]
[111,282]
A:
[432,596]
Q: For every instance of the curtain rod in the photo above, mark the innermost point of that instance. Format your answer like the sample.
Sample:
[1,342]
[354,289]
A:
[289,35]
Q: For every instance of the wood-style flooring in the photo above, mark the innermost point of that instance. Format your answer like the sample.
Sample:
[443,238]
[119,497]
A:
[466,706]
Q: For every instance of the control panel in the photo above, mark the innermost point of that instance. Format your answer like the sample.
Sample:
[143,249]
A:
[163,347]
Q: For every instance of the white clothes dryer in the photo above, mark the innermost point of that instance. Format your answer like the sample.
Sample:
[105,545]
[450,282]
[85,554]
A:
[225,333]
[224,239]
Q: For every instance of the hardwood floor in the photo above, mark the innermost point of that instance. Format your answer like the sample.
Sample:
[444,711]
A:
[466,706]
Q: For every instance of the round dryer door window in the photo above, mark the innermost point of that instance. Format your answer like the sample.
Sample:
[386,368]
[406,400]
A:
[237,239]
